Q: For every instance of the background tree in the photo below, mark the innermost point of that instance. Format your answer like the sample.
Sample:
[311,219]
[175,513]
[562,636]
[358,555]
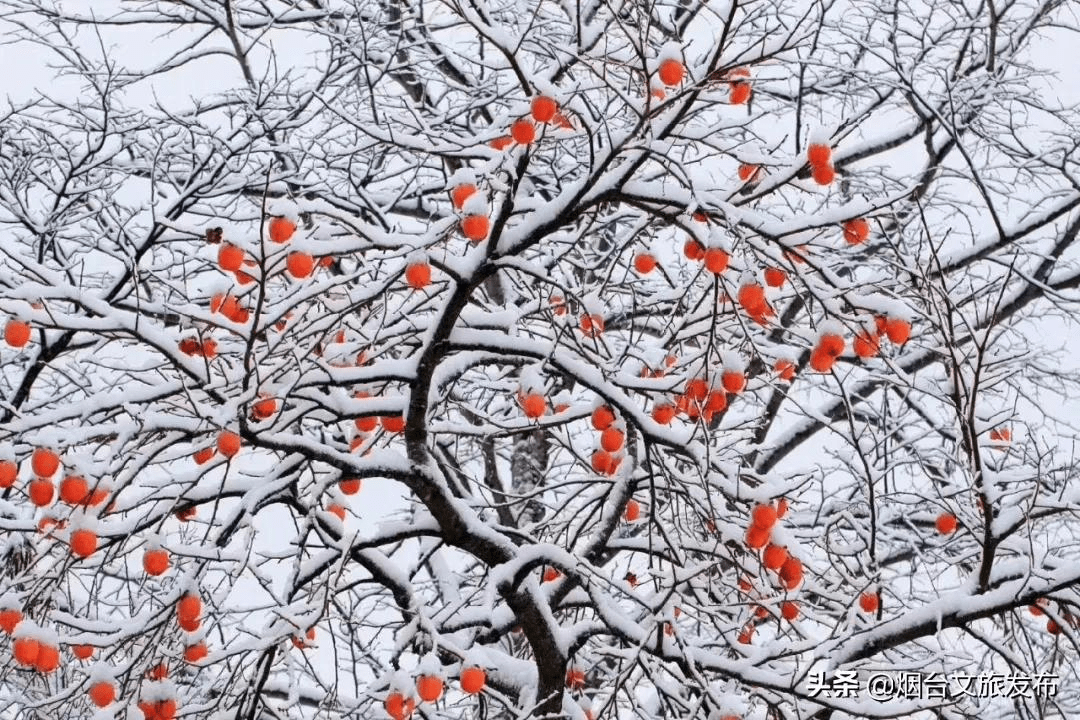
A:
[536,359]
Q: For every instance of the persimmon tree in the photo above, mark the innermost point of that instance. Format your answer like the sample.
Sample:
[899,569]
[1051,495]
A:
[536,359]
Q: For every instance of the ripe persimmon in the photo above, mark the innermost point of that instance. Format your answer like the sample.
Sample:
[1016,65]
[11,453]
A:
[281,229]
[534,405]
[575,678]
[8,472]
[350,486]
[611,439]
[48,523]
[746,635]
[551,574]
[633,511]
[462,193]
[734,381]
[775,277]
[16,333]
[523,131]
[473,680]
[592,324]
[697,389]
[789,610]
[228,443]
[785,369]
[189,346]
[716,260]
[302,643]
[41,491]
[74,490]
[898,330]
[856,231]
[663,413]
[757,537]
[671,72]
[644,263]
[204,455]
[429,688]
[823,174]
[791,572]
[393,423]
[83,652]
[44,462]
[831,344]
[693,250]
[300,265]
[740,92]
[195,653]
[781,507]
[155,562]
[9,618]
[603,462]
[866,344]
[821,361]
[84,542]
[997,435]
[418,275]
[818,154]
[716,401]
[48,658]
[602,417]
[774,556]
[501,143]
[263,409]
[869,602]
[752,298]
[102,693]
[189,607]
[544,108]
[230,257]
[399,707]
[475,227]
[763,516]
[159,710]
[25,650]
[747,171]
[946,523]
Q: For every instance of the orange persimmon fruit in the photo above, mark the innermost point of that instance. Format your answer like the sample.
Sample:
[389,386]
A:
[155,562]
[671,72]
[523,132]
[856,231]
[281,229]
[17,333]
[475,227]
[418,275]
[644,263]
[300,265]
[544,108]
[473,680]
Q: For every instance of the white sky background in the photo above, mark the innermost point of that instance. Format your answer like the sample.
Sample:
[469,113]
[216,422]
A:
[29,73]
